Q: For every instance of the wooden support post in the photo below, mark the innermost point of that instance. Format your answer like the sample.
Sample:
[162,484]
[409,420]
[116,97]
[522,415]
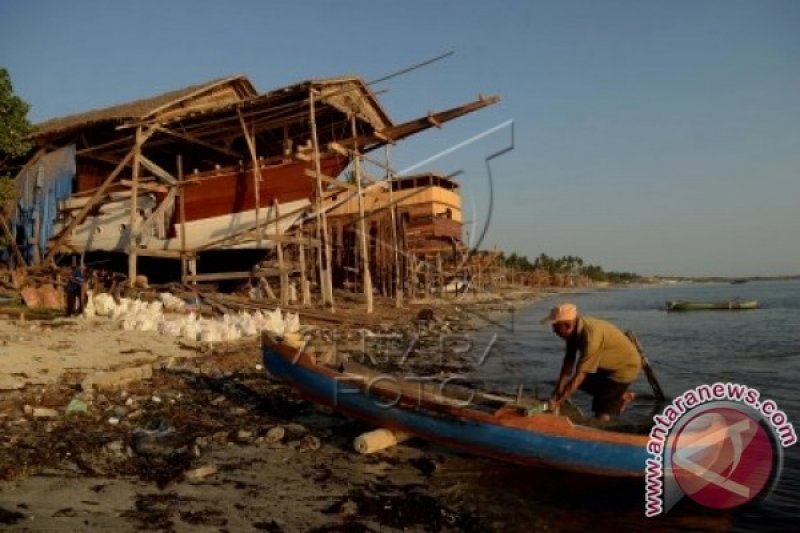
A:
[132,233]
[12,240]
[365,273]
[324,255]
[412,276]
[398,282]
[251,145]
[439,275]
[306,290]
[427,278]
[284,277]
[182,217]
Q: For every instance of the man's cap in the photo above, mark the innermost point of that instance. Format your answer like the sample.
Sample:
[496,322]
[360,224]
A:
[561,313]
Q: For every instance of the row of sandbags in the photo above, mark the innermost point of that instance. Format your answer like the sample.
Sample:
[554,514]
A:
[168,316]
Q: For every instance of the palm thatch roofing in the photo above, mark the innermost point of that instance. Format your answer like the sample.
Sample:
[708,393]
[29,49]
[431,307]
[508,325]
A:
[227,89]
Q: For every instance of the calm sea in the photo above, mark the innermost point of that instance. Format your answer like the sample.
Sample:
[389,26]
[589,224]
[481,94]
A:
[759,348]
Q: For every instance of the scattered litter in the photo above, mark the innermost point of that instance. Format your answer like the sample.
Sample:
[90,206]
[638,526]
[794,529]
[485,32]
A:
[76,406]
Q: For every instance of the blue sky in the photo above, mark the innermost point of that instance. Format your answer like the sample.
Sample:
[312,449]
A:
[654,137]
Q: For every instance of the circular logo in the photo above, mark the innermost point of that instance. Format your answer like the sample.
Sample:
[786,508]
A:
[723,457]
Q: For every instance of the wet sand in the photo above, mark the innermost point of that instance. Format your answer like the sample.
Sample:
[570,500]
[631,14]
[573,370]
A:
[209,440]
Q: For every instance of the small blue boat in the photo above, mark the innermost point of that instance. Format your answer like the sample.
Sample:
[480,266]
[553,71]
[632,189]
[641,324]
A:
[481,423]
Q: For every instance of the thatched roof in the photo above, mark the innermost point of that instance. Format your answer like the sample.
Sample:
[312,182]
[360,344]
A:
[227,89]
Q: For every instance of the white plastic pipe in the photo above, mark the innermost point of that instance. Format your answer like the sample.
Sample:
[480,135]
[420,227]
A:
[379,439]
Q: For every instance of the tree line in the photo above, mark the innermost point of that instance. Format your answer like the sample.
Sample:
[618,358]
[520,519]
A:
[568,265]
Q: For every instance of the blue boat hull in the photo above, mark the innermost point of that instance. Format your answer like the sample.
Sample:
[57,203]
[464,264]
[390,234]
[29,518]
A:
[623,456]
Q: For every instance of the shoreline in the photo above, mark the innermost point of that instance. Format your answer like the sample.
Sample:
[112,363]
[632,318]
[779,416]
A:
[209,438]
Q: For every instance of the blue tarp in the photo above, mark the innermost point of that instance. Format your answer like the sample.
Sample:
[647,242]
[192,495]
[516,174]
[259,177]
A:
[39,190]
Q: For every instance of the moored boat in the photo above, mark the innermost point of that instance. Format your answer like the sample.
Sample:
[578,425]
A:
[487,424]
[728,305]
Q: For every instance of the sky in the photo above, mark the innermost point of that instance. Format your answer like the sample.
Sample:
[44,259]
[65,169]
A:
[648,137]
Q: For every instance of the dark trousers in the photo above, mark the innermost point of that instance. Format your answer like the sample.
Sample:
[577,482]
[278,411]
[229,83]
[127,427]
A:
[74,302]
[606,393]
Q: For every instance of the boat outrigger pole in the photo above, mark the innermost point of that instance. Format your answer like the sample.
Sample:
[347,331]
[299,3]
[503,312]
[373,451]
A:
[648,370]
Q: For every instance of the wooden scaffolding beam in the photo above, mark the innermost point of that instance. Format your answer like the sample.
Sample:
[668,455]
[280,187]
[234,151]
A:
[324,255]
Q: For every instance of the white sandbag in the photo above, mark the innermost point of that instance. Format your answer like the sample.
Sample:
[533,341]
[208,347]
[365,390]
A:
[273,322]
[89,311]
[169,328]
[171,302]
[291,323]
[104,304]
[190,331]
[145,323]
[209,335]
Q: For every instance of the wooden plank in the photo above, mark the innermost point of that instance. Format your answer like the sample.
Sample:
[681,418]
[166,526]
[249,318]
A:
[157,170]
[304,285]
[401,131]
[145,186]
[251,146]
[166,254]
[325,274]
[331,181]
[219,276]
[284,276]
[132,258]
[366,275]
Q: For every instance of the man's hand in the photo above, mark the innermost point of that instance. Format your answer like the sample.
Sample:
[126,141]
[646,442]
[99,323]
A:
[554,405]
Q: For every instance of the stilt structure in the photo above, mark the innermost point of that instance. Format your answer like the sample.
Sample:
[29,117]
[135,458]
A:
[218,167]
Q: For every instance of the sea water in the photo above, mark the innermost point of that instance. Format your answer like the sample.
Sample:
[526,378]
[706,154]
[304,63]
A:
[758,348]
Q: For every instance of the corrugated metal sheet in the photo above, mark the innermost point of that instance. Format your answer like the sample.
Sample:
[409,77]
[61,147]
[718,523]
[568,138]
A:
[39,190]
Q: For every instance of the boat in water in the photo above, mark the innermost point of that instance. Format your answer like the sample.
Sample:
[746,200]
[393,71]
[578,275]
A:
[513,429]
[728,305]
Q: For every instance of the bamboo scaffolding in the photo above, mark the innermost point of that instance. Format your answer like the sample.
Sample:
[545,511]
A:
[306,290]
[284,276]
[398,285]
[251,145]
[324,255]
[182,217]
[79,217]
[366,276]
[132,258]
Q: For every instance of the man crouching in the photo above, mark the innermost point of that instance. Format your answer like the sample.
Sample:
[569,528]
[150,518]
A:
[608,363]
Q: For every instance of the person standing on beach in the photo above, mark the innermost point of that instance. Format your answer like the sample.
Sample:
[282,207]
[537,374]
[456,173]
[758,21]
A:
[608,363]
[76,291]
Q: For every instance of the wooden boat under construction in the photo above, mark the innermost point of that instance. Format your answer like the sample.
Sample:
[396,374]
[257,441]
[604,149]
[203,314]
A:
[213,166]
[486,424]
[728,305]
[216,203]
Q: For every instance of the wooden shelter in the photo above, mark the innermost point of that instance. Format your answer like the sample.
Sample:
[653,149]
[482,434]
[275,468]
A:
[211,167]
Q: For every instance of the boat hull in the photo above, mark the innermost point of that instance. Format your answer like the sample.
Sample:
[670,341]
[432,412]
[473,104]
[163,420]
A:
[730,305]
[216,205]
[540,439]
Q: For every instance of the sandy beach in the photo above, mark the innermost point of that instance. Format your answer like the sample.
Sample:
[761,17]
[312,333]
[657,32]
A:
[110,429]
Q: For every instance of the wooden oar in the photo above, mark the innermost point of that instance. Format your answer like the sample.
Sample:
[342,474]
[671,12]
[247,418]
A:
[648,370]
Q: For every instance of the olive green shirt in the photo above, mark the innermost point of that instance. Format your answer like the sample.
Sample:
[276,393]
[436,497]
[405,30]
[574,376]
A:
[604,348]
